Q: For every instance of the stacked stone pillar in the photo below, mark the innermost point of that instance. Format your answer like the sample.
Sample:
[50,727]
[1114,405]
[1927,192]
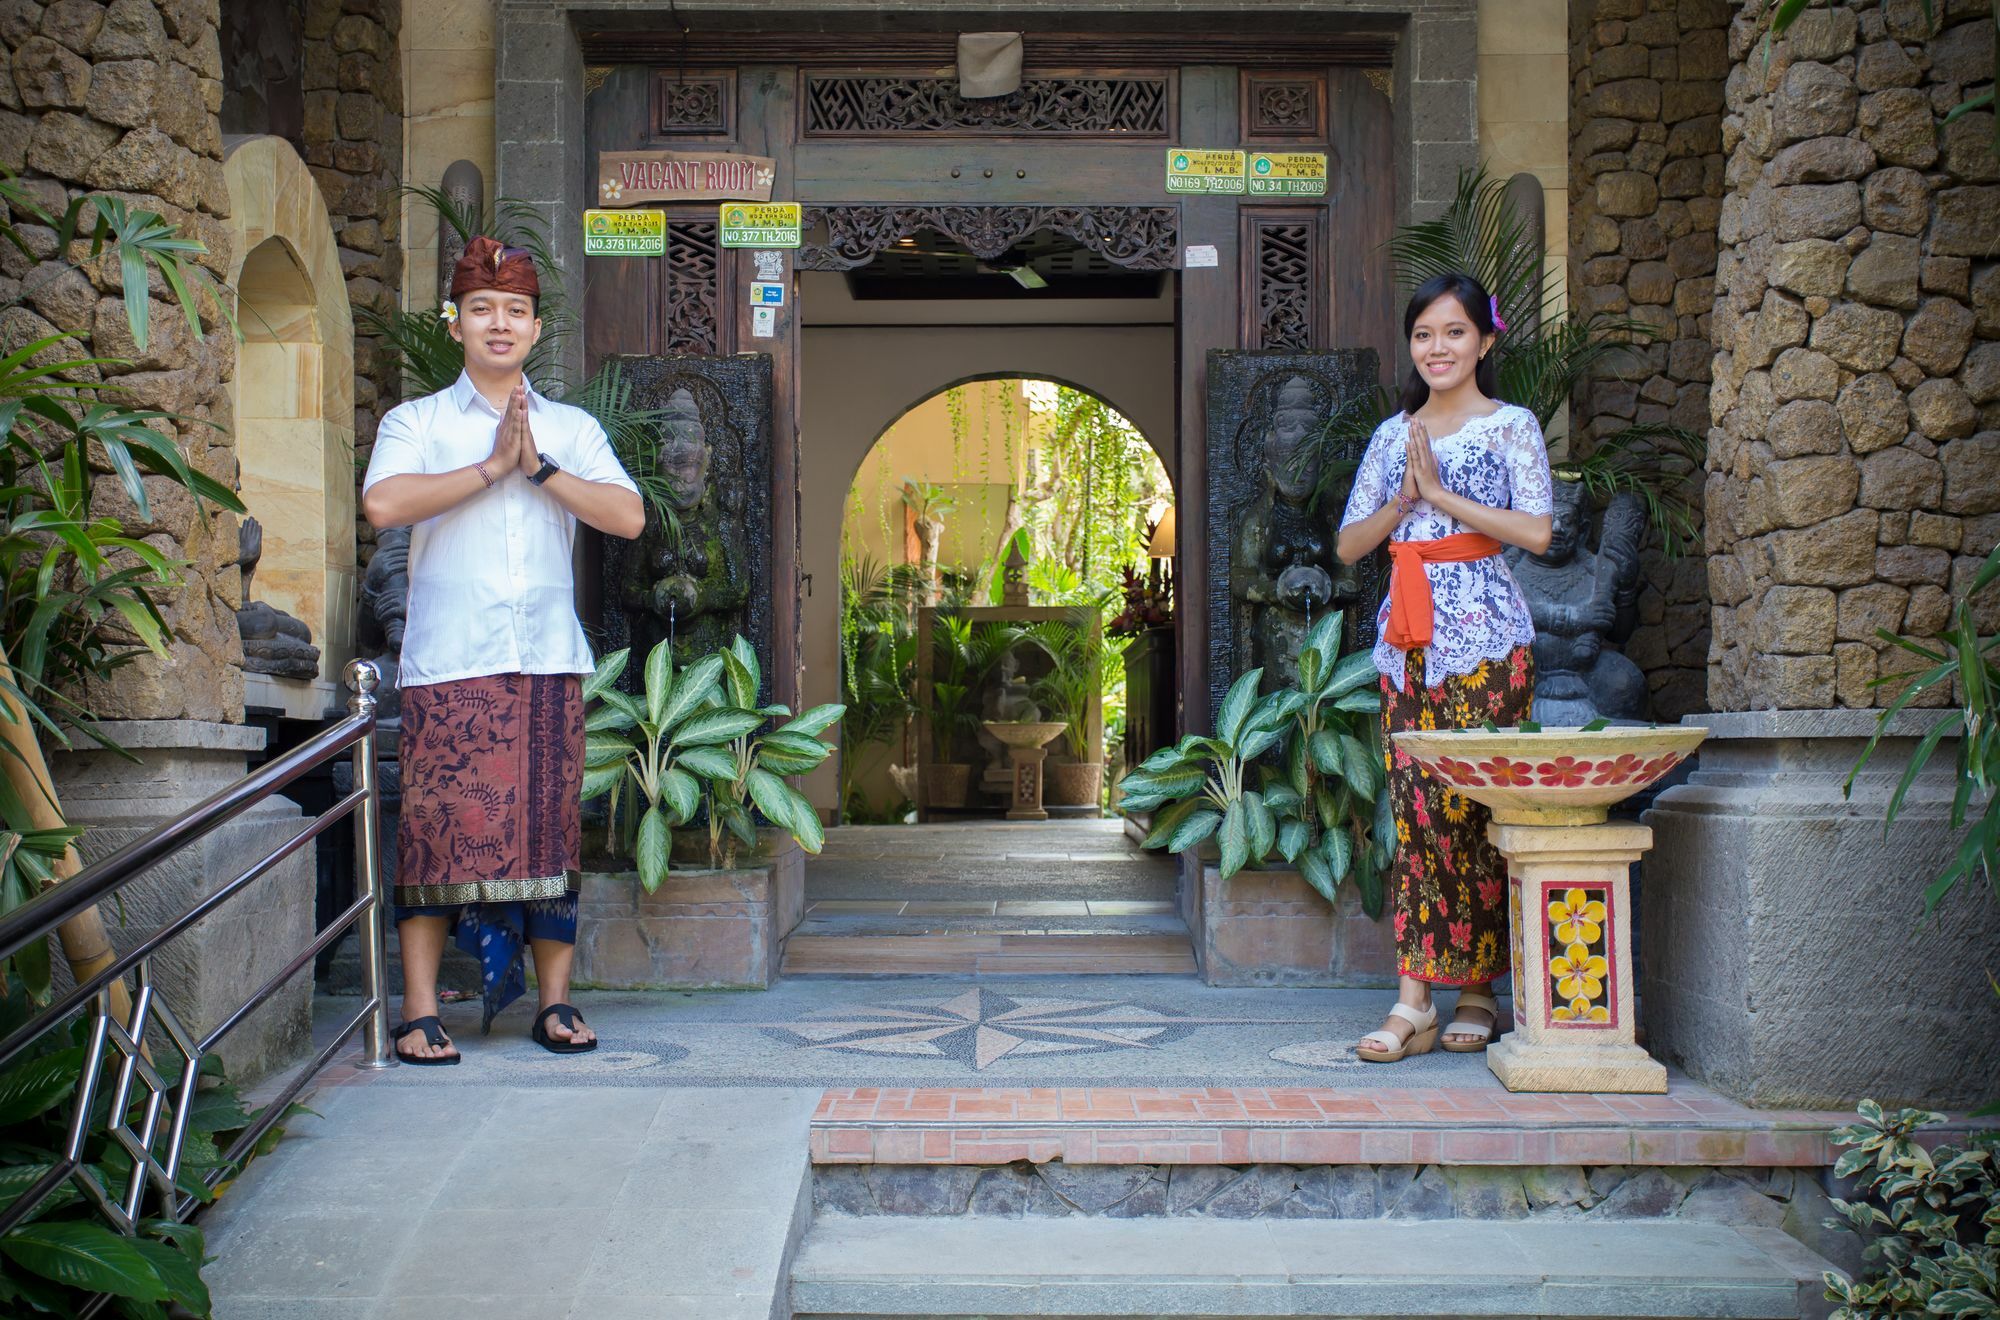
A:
[1853,486]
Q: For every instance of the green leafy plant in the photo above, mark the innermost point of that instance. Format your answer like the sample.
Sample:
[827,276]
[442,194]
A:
[1324,810]
[76,590]
[697,740]
[1958,658]
[63,1255]
[1542,359]
[878,654]
[963,654]
[1931,1219]
[1079,653]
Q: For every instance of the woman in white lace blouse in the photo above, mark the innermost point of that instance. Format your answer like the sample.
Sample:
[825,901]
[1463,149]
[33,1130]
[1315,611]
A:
[1446,482]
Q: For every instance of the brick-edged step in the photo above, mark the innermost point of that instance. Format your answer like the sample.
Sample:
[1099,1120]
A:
[1160,1267]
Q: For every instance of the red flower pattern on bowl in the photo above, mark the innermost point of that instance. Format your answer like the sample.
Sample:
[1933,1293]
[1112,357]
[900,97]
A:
[1563,772]
[1550,776]
[1503,773]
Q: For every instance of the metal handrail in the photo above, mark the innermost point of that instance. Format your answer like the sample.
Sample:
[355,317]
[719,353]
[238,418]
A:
[168,1102]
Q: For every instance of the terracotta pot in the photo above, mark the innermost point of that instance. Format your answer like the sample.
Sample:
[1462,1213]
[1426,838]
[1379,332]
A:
[1072,783]
[946,785]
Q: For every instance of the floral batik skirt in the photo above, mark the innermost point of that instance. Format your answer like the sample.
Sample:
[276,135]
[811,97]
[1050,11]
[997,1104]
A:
[1449,881]
[491,831]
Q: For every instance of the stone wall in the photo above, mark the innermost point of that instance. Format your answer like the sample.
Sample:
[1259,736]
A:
[1646,186]
[121,98]
[1854,465]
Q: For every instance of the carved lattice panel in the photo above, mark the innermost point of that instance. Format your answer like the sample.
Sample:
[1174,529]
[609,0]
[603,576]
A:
[693,296]
[877,105]
[696,106]
[1285,301]
[1284,107]
[1134,237]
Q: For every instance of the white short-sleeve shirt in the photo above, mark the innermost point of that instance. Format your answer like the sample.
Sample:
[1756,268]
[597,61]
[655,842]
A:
[492,590]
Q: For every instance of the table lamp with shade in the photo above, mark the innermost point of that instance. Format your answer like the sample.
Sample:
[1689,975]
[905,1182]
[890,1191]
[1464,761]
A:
[1160,550]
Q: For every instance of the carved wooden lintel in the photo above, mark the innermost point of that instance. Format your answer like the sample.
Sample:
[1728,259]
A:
[843,238]
[893,104]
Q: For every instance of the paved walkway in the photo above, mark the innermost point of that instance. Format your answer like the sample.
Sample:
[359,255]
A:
[506,1203]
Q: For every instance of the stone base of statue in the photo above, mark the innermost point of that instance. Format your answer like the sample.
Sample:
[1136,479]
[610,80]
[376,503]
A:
[1026,804]
[1570,902]
[216,965]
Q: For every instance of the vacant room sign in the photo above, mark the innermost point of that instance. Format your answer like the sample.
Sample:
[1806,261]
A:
[632,178]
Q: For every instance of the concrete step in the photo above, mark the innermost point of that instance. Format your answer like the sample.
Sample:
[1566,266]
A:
[989,955]
[976,1266]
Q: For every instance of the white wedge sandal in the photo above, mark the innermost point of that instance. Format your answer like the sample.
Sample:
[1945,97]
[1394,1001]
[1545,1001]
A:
[1383,1047]
[1472,999]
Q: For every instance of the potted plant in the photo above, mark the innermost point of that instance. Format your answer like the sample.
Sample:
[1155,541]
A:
[1077,652]
[962,655]
[693,740]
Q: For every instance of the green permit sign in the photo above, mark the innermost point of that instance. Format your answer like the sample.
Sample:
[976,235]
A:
[624,233]
[1204,172]
[1287,174]
[760,224]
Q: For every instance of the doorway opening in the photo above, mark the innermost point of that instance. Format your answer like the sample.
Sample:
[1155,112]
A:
[1004,533]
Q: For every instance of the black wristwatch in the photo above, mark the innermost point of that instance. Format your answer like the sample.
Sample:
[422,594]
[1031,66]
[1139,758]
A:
[548,469]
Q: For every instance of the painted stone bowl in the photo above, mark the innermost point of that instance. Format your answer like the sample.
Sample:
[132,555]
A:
[1562,776]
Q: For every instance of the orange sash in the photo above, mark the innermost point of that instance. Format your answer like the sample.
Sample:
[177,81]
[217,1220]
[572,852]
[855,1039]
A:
[1410,609]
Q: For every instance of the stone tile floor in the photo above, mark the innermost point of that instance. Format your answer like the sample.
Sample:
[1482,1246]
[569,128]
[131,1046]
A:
[983,862]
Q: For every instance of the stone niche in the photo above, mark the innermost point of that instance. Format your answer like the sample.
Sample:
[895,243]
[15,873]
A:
[205,973]
[1788,958]
[1271,566]
[712,459]
[701,930]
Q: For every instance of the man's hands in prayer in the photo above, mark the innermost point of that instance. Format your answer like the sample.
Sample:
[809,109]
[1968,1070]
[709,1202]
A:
[513,443]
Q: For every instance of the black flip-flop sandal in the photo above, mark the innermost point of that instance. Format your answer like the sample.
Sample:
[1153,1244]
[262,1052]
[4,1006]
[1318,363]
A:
[433,1036]
[569,1017]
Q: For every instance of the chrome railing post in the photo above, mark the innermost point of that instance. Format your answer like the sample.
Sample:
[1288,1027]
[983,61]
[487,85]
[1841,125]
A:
[362,680]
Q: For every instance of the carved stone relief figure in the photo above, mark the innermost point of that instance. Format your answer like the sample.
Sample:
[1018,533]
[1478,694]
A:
[385,602]
[1577,596]
[274,642]
[693,586]
[1286,573]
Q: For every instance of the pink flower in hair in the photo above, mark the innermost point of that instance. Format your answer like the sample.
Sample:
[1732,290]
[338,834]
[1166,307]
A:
[1499,326]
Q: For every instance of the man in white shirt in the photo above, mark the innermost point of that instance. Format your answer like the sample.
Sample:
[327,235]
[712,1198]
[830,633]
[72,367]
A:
[492,478]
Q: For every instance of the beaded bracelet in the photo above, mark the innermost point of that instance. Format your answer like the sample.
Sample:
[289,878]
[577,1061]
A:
[1405,505]
[480,468]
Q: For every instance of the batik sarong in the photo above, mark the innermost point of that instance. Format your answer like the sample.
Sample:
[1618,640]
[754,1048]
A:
[1449,881]
[491,835]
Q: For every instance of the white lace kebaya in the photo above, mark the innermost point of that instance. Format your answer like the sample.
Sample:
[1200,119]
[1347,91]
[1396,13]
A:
[1499,460]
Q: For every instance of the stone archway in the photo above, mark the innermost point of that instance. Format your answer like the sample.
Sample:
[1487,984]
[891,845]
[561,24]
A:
[292,397]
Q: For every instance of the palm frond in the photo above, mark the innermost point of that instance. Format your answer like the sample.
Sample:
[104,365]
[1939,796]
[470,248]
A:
[1482,234]
[1655,462]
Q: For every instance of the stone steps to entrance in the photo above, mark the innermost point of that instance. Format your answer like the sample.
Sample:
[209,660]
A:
[989,954]
[977,1266]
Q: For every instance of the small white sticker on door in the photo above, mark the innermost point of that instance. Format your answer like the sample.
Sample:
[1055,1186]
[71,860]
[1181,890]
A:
[769,263]
[1199,255]
[763,322]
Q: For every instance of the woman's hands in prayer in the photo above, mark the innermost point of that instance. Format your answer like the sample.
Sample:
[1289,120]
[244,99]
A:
[1420,466]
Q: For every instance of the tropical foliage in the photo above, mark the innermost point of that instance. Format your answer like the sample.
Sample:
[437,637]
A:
[1958,660]
[963,654]
[1930,1217]
[697,743]
[878,675]
[1079,652]
[79,588]
[64,1255]
[1543,357]
[1315,761]
[418,341]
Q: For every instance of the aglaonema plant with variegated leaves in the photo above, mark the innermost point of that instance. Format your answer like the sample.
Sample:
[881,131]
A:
[697,743]
[1313,756]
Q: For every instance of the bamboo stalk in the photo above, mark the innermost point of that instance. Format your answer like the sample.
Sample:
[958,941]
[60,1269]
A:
[85,943]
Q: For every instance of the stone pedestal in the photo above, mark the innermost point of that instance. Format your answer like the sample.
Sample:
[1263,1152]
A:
[1026,803]
[209,970]
[1788,958]
[1570,913]
[1272,928]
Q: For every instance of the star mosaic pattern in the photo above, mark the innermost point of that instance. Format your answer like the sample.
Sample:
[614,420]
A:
[980,1027]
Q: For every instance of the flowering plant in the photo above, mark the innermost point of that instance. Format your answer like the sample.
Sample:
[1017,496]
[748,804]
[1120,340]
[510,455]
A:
[448,312]
[1148,604]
